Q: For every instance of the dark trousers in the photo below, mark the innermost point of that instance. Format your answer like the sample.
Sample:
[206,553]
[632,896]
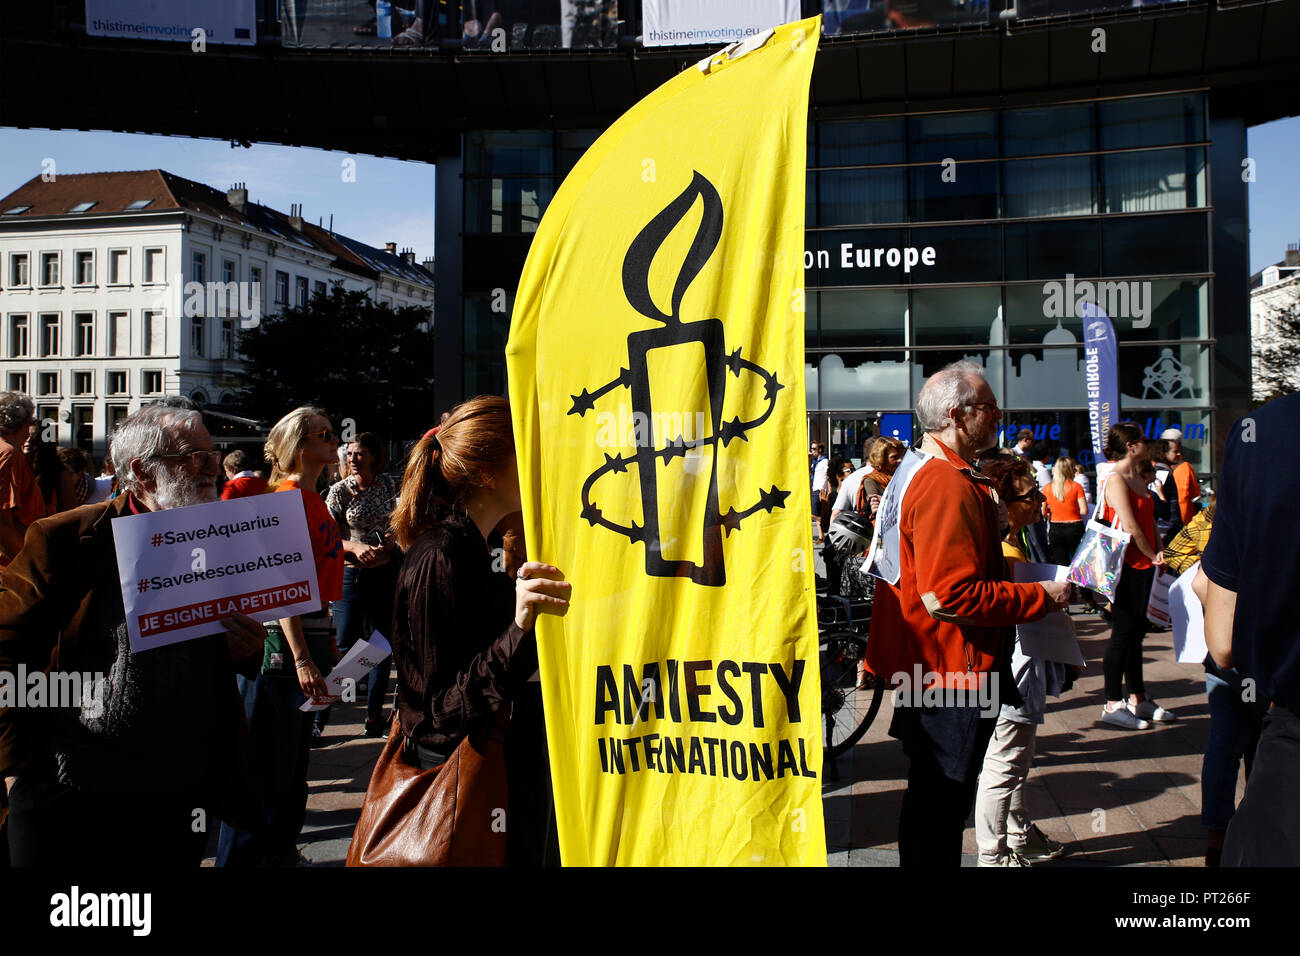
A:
[1265,831]
[281,735]
[1128,627]
[1063,540]
[945,749]
[366,606]
[54,825]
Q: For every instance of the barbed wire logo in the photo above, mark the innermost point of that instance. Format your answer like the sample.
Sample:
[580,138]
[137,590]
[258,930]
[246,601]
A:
[709,334]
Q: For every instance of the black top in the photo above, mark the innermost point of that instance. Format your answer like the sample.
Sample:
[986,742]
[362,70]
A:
[460,656]
[1253,549]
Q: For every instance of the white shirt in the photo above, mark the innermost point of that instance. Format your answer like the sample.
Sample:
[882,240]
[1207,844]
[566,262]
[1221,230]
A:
[849,489]
[1042,473]
[819,474]
[1086,485]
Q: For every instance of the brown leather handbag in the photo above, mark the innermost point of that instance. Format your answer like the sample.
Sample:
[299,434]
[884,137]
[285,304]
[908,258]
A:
[450,815]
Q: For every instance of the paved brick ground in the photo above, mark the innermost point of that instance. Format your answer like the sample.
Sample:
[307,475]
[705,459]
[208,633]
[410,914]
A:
[1115,797]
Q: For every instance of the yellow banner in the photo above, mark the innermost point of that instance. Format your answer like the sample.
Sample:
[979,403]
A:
[656,378]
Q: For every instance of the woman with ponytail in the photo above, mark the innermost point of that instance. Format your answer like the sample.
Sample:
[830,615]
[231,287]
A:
[463,630]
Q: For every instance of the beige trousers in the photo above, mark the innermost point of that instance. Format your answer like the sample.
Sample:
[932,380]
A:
[1000,817]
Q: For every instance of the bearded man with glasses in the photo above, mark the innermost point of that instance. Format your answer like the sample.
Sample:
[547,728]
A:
[125,776]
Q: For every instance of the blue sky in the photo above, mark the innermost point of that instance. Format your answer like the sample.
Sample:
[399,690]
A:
[392,201]
[1275,193]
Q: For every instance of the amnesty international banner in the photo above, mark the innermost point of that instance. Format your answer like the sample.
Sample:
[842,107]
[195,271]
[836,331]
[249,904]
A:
[656,381]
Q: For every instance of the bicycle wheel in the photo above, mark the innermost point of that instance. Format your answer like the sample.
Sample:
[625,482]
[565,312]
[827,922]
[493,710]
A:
[847,712]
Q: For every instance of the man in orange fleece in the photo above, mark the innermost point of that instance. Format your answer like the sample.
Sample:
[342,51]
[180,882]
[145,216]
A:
[947,623]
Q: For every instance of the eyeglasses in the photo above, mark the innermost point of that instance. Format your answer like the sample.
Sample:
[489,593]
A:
[325,434]
[1032,496]
[196,457]
[992,405]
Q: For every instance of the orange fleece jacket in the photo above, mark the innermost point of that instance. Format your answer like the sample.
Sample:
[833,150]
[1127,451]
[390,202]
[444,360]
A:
[953,605]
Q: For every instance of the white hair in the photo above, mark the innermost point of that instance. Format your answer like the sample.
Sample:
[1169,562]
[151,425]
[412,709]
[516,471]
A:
[149,432]
[948,388]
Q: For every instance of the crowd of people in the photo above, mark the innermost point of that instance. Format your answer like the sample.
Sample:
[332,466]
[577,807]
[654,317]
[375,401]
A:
[213,728]
[126,777]
[955,607]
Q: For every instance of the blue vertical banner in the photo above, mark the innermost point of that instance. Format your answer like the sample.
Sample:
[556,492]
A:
[1101,367]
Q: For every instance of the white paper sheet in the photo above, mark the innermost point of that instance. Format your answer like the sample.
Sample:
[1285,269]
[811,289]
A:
[356,664]
[1052,638]
[1187,618]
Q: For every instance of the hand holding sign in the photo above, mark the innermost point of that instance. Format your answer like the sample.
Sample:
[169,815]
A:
[244,636]
[360,658]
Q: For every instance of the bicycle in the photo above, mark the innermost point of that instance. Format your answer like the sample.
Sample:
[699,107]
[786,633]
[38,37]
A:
[848,706]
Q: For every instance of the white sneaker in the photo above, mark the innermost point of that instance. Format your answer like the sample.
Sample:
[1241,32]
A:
[1150,710]
[1123,717]
[1012,858]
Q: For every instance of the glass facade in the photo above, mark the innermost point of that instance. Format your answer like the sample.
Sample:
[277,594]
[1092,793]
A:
[943,236]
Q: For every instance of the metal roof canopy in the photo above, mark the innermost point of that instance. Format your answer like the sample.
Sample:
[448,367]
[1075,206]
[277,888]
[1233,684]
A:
[415,104]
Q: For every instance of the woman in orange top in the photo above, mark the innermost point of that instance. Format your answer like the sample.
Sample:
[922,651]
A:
[1066,507]
[1129,507]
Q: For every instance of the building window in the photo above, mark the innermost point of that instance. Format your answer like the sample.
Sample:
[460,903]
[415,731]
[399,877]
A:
[115,384]
[155,334]
[49,268]
[18,275]
[115,416]
[152,382]
[255,274]
[196,336]
[17,336]
[18,381]
[227,338]
[281,288]
[84,333]
[318,288]
[47,383]
[83,383]
[155,266]
[198,266]
[300,283]
[49,335]
[85,268]
[83,425]
[119,267]
[119,333]
[227,270]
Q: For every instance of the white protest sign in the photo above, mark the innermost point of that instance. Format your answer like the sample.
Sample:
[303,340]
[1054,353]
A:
[1187,618]
[1051,637]
[184,569]
[356,664]
[1158,611]
[883,557]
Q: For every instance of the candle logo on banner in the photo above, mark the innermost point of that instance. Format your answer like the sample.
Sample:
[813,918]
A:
[654,355]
